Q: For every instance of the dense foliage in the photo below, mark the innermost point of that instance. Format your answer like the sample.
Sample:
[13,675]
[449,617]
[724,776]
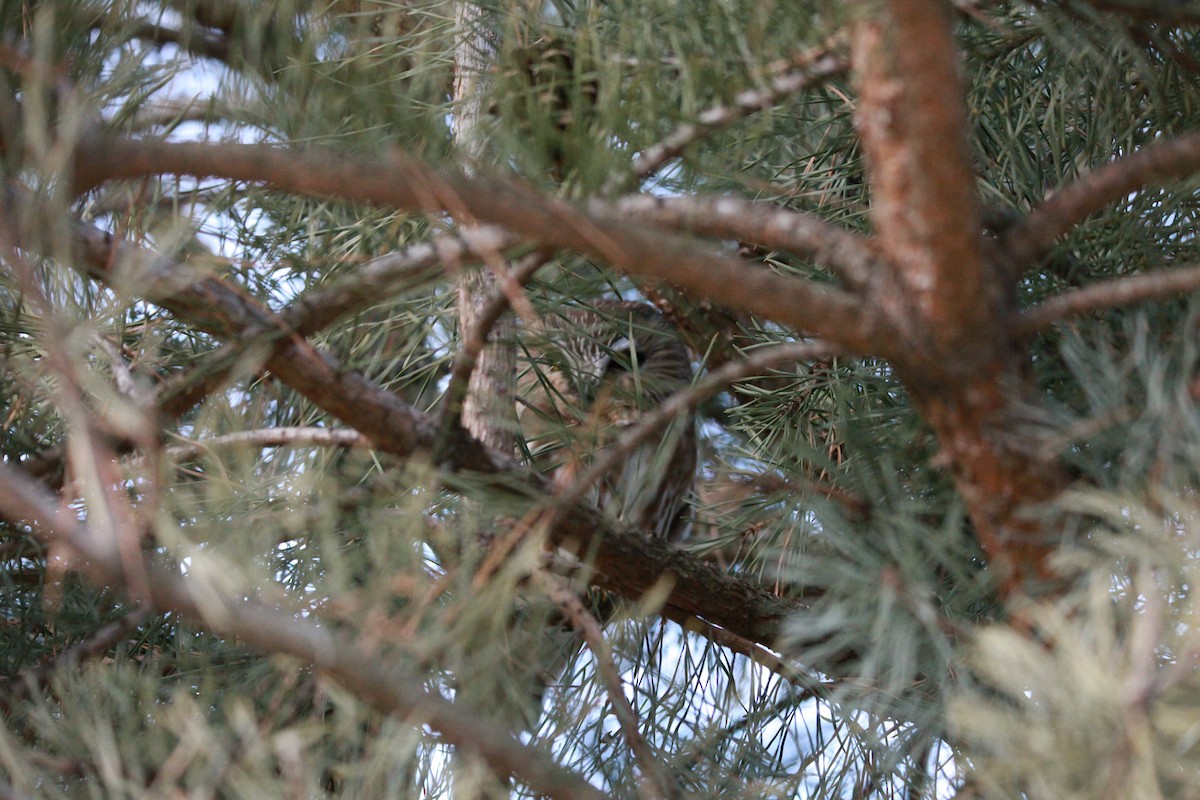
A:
[249,550]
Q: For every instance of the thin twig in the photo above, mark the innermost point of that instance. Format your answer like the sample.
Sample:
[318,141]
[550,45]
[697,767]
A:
[1115,293]
[802,71]
[582,620]
[684,400]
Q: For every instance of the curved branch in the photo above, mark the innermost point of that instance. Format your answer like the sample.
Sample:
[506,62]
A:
[1031,238]
[410,184]
[684,400]
[802,71]
[23,502]
[844,252]
[1110,294]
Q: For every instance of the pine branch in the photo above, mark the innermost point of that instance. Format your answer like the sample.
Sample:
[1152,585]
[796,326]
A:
[23,502]
[802,71]
[843,252]
[913,125]
[1027,242]
[1115,293]
[409,184]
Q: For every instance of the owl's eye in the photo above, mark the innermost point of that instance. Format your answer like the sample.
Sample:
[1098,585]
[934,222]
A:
[624,355]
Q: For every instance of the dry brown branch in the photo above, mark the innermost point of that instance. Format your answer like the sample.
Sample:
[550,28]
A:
[843,252]
[627,562]
[1164,161]
[410,184]
[1115,293]
[802,71]
[24,503]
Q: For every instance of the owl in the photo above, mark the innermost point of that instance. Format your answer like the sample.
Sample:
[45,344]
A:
[589,373]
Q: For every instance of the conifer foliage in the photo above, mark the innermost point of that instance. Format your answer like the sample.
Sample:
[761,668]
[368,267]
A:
[270,278]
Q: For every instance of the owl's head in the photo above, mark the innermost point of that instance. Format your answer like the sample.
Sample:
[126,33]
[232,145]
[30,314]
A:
[624,355]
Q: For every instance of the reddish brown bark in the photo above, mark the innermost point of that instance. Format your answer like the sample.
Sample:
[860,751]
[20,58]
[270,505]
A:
[950,306]
[1002,471]
[913,127]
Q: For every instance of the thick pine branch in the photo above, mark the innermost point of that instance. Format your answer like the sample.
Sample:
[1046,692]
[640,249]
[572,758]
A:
[412,185]
[913,127]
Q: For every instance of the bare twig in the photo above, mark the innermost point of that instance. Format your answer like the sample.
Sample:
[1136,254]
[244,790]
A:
[682,401]
[1115,293]
[845,253]
[1164,161]
[802,71]
[589,627]
[23,502]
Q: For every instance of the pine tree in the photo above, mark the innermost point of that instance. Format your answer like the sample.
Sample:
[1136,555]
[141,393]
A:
[269,274]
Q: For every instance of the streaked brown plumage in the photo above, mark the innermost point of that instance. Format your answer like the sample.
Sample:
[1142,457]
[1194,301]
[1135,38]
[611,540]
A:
[592,372]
